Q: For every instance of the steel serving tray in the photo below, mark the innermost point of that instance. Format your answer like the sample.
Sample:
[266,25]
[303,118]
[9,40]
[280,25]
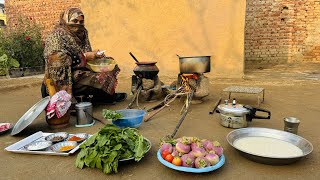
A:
[295,140]
[21,146]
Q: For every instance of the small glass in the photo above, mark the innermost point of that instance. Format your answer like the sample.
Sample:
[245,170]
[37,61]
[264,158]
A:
[291,124]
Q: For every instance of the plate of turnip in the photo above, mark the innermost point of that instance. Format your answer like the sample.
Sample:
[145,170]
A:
[191,154]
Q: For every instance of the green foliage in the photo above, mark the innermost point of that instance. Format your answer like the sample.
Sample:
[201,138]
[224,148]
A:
[104,149]
[6,63]
[23,43]
[111,115]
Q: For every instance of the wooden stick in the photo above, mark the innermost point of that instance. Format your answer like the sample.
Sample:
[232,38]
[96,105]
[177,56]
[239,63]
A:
[215,106]
[183,115]
[160,109]
[156,106]
[134,97]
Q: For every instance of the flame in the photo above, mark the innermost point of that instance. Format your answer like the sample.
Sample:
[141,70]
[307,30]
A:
[185,80]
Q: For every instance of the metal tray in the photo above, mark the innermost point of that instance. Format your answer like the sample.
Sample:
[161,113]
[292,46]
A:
[296,140]
[20,146]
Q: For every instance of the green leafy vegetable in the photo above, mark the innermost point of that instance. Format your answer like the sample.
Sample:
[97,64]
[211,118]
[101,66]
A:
[104,149]
[111,115]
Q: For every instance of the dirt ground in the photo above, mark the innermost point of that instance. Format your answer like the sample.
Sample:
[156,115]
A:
[290,91]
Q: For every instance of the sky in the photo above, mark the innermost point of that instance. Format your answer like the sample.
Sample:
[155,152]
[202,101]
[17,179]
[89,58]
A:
[1,1]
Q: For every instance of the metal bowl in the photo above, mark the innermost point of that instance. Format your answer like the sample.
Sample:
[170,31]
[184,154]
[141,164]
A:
[293,139]
[57,147]
[53,137]
[83,136]
[38,145]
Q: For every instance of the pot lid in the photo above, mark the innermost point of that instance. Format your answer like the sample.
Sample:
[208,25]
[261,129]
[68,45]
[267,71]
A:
[237,109]
[83,105]
[146,63]
[30,115]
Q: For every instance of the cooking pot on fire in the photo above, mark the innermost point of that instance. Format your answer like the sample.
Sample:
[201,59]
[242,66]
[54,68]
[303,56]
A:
[194,64]
[234,115]
[145,69]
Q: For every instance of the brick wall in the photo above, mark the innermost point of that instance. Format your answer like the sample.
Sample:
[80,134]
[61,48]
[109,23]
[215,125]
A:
[281,31]
[44,12]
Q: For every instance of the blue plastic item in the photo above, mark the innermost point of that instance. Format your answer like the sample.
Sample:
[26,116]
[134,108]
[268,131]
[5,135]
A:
[188,169]
[130,118]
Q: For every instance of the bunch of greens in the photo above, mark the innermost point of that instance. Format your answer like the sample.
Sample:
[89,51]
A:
[111,115]
[104,149]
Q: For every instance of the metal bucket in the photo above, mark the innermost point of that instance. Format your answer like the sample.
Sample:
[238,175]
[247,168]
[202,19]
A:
[84,114]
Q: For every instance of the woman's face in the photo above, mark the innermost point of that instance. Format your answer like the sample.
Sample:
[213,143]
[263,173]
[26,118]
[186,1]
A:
[79,20]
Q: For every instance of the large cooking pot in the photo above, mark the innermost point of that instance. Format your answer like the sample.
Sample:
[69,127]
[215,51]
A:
[146,70]
[234,115]
[194,64]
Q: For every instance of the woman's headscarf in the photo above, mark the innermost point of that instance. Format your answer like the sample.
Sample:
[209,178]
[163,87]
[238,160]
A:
[78,31]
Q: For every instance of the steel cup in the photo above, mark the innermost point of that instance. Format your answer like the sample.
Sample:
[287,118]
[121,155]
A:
[291,124]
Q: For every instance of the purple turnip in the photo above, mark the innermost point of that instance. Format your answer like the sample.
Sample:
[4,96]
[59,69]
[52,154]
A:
[188,160]
[208,145]
[183,148]
[174,152]
[212,158]
[166,147]
[198,152]
[218,150]
[195,145]
[178,140]
[186,140]
[195,139]
[216,143]
[201,162]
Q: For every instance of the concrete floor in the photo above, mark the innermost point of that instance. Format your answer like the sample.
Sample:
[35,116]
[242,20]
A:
[290,91]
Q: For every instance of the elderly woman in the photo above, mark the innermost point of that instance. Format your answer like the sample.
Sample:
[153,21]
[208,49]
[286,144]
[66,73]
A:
[67,51]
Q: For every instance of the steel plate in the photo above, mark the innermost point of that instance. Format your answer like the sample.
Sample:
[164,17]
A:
[293,139]
[63,136]
[56,147]
[38,145]
[30,115]
[83,137]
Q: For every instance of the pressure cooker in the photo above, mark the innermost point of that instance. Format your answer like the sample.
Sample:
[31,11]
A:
[233,115]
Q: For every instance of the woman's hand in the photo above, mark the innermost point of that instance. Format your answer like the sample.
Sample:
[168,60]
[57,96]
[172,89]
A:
[90,55]
[96,54]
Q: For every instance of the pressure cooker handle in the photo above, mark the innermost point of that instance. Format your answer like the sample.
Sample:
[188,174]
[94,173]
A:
[262,117]
[252,114]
